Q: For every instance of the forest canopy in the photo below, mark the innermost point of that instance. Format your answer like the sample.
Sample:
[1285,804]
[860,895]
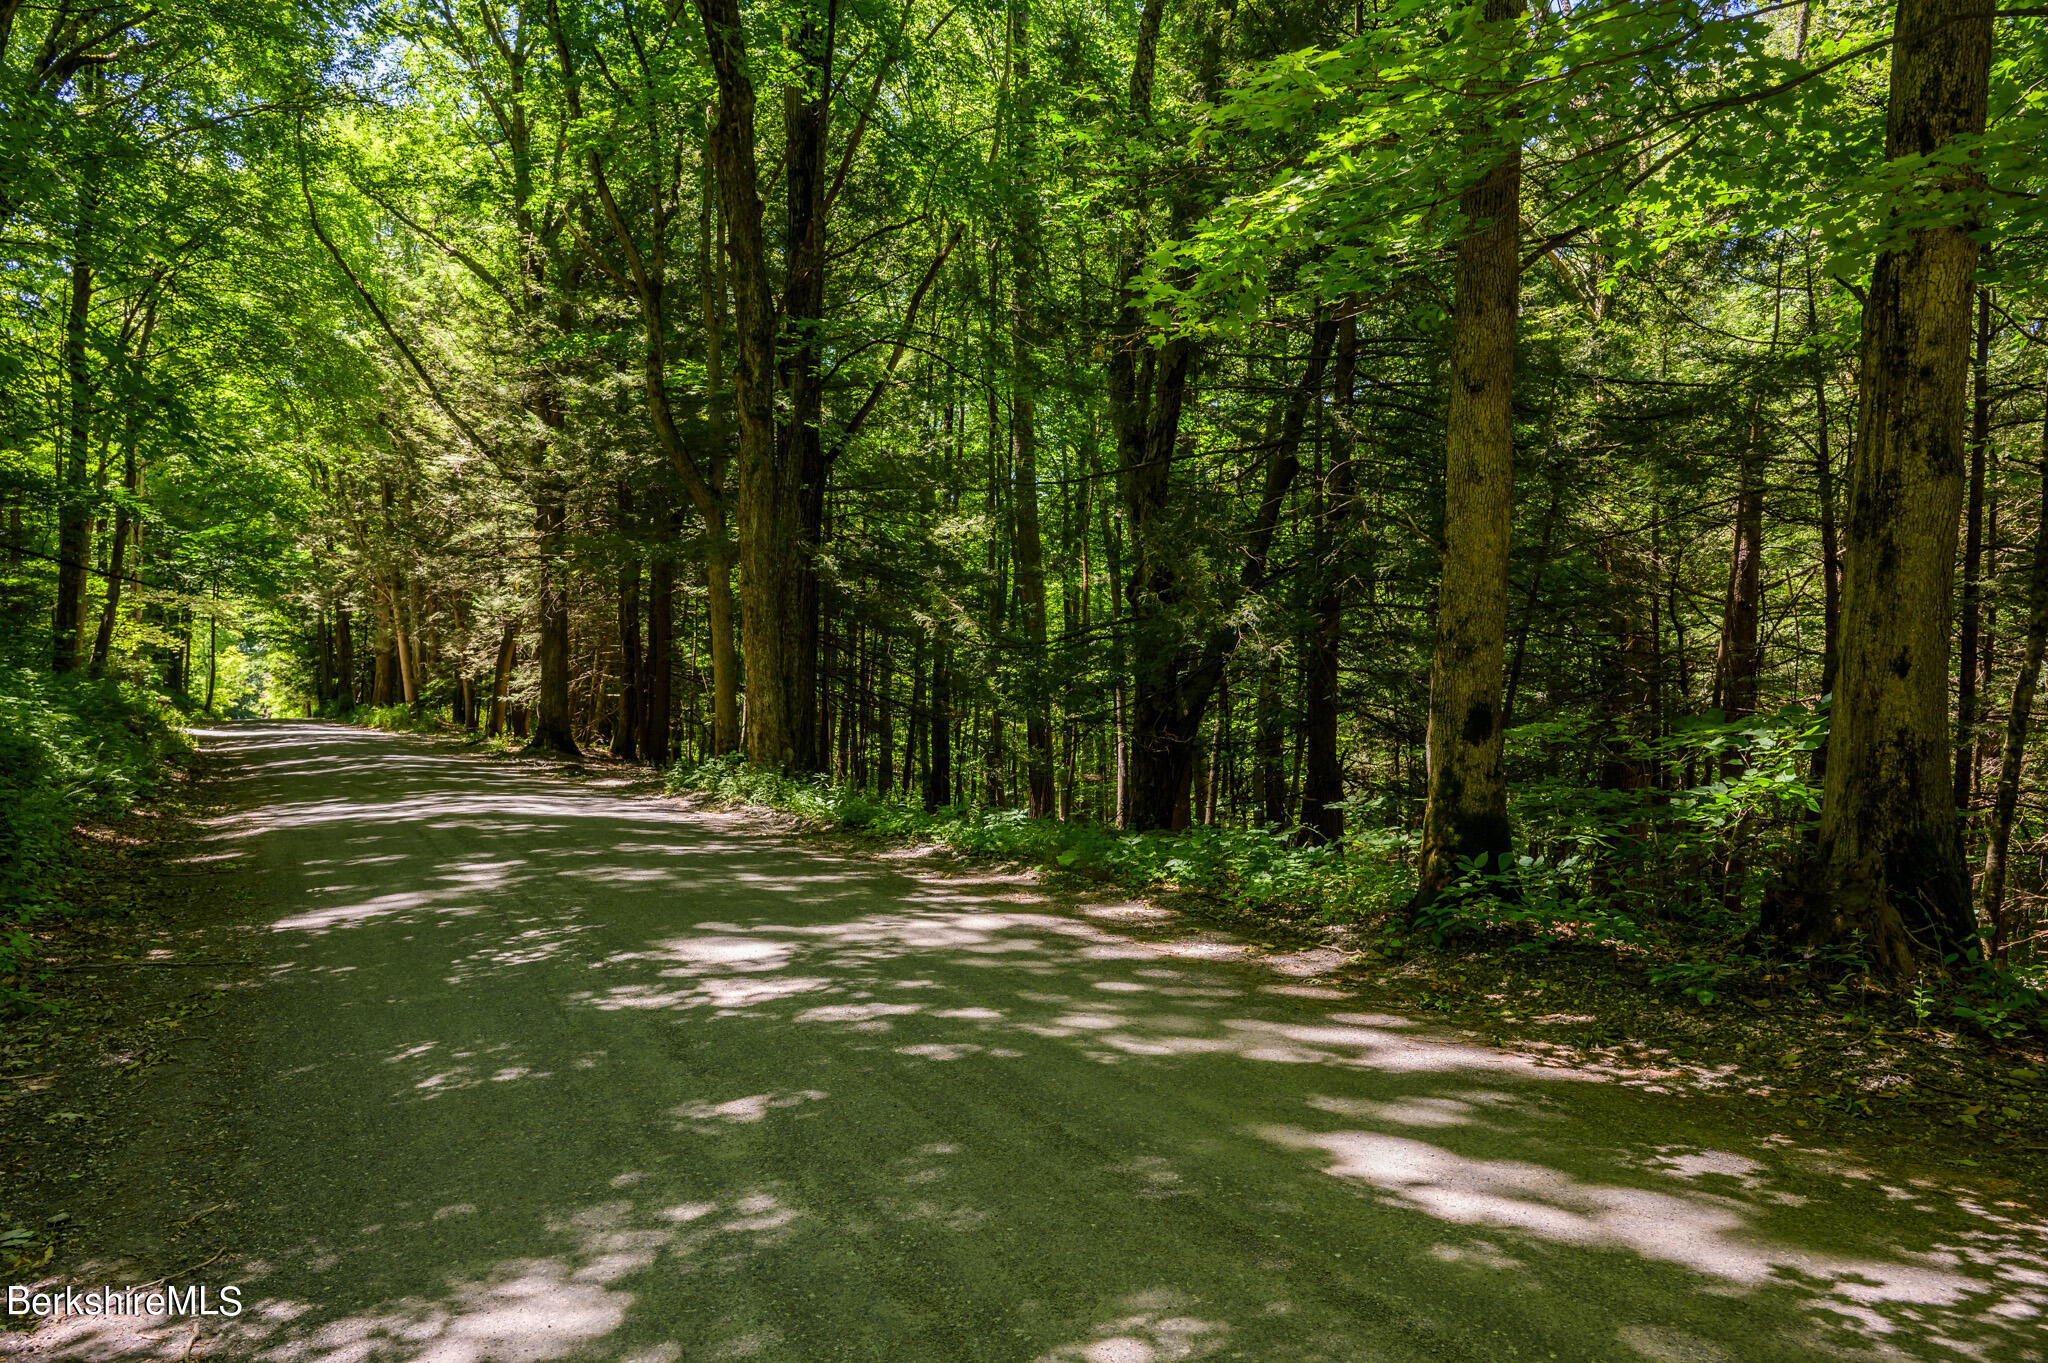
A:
[1557,468]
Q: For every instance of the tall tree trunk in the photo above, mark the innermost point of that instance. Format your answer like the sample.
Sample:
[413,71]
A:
[74,502]
[1322,781]
[407,671]
[916,720]
[806,122]
[323,658]
[1271,748]
[103,640]
[720,614]
[2012,762]
[1119,669]
[1176,678]
[771,548]
[996,610]
[1973,561]
[884,738]
[1739,661]
[938,782]
[1147,394]
[384,667]
[1824,491]
[415,641]
[1025,251]
[1465,819]
[124,516]
[501,677]
[1889,862]
[1740,657]
[345,659]
[626,722]
[554,729]
[658,671]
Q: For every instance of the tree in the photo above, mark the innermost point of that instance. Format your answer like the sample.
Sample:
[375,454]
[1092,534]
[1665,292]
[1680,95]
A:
[1466,821]
[1889,867]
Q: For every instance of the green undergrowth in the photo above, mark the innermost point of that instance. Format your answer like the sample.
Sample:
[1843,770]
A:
[1661,877]
[1252,870]
[397,719]
[404,719]
[71,750]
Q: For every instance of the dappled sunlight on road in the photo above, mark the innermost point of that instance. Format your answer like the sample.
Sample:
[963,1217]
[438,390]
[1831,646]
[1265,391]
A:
[1155,1331]
[553,1074]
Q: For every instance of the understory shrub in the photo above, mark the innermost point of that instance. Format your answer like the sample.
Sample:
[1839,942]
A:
[70,749]
[1676,847]
[1254,869]
[403,719]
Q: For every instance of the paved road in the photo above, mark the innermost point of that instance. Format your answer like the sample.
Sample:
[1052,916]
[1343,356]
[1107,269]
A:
[549,1074]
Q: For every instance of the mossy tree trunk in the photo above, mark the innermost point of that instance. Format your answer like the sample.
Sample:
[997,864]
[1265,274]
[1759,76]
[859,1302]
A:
[1889,867]
[1465,817]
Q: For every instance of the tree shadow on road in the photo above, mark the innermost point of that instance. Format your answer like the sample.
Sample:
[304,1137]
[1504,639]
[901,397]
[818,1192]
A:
[558,1076]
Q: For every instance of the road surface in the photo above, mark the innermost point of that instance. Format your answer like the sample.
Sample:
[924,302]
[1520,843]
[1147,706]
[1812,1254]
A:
[548,1073]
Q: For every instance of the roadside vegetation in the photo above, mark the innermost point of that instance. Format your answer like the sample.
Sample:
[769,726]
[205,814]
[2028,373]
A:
[1439,476]
[72,749]
[1627,948]
[1634,884]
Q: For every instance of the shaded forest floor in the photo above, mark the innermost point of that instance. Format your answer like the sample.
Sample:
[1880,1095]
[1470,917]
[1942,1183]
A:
[138,972]
[1859,1072]
[143,970]
[1825,1059]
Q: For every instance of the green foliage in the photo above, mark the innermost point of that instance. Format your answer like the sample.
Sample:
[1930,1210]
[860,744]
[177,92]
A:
[1256,870]
[399,719]
[1700,981]
[1648,849]
[1983,997]
[70,749]
[1645,863]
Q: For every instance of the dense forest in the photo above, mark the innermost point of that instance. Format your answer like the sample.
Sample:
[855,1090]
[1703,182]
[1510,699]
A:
[1565,467]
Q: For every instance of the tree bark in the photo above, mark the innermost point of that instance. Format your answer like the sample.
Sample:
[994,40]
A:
[1026,249]
[1889,863]
[1824,490]
[626,721]
[103,640]
[501,677]
[658,672]
[74,505]
[554,729]
[407,670]
[124,517]
[1740,657]
[1147,394]
[770,491]
[884,736]
[2012,761]
[938,780]
[1271,745]
[1322,779]
[1175,678]
[806,120]
[1973,561]
[345,659]
[1465,818]
[386,664]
